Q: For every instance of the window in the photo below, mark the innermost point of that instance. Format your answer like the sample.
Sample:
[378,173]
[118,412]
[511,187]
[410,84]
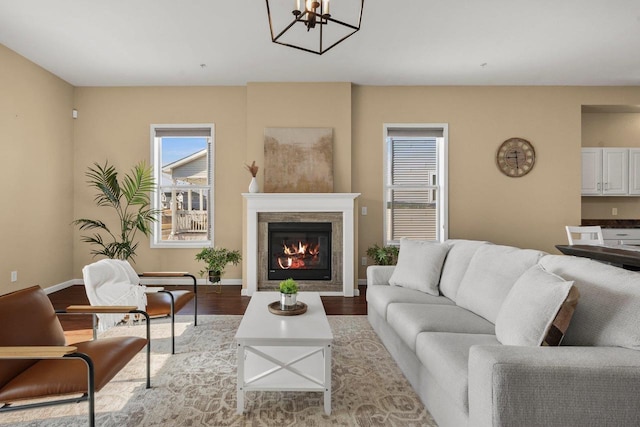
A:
[183,171]
[415,184]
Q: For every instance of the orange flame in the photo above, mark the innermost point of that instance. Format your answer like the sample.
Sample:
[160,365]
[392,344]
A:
[295,254]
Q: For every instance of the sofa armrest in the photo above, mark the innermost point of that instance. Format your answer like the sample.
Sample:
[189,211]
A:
[379,274]
[553,386]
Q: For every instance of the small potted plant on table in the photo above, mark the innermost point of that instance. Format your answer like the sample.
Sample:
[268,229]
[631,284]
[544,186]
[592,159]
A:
[216,260]
[288,294]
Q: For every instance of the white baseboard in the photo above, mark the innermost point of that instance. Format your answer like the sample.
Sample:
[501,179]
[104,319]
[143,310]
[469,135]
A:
[362,282]
[61,286]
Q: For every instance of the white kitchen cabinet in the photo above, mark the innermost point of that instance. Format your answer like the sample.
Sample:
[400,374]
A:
[617,236]
[634,171]
[605,172]
[592,171]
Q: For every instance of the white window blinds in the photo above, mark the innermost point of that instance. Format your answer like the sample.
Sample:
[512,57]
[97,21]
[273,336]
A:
[412,188]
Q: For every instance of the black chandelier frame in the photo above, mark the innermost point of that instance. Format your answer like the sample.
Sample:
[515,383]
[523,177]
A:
[312,19]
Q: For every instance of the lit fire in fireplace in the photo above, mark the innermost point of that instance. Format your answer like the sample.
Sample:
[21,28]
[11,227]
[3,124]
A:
[298,256]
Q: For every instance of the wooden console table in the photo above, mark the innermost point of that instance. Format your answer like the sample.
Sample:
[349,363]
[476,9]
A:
[629,259]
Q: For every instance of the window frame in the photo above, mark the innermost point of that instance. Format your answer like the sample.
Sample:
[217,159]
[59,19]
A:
[442,143]
[156,241]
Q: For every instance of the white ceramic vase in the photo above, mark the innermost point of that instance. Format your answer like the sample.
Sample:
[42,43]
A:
[253,186]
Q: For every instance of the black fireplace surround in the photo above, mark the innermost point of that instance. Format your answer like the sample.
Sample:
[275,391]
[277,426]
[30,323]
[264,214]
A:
[299,250]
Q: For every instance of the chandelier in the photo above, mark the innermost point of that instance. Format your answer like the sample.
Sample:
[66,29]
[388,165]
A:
[313,27]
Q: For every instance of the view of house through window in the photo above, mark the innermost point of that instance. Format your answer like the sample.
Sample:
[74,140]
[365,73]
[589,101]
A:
[415,194]
[183,170]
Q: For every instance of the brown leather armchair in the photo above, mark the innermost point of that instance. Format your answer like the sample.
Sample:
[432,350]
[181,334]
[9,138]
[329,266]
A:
[112,281]
[36,363]
[168,303]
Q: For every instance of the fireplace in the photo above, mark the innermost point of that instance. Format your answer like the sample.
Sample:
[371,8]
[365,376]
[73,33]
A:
[299,250]
[338,209]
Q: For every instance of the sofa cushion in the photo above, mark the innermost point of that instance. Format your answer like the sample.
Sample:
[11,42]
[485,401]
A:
[530,307]
[607,314]
[409,320]
[492,272]
[446,357]
[456,264]
[379,298]
[419,265]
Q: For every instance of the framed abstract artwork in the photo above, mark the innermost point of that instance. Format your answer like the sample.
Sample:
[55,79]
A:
[298,160]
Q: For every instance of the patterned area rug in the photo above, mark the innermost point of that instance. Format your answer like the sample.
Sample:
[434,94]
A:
[197,385]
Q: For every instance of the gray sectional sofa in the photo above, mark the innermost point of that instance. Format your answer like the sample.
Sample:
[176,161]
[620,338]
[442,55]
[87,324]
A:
[445,327]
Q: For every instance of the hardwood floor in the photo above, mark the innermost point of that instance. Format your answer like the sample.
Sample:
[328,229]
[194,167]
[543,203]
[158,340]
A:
[229,301]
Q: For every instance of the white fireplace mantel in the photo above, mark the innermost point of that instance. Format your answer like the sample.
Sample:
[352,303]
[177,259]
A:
[300,202]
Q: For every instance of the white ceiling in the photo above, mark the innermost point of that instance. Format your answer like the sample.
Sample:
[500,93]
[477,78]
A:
[406,42]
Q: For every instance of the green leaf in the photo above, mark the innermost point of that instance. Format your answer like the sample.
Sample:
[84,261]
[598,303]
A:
[134,190]
[105,179]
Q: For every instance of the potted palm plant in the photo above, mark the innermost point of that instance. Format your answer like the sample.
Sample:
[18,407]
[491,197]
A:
[288,294]
[131,202]
[216,260]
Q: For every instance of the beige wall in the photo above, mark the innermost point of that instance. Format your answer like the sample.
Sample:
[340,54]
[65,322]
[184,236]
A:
[611,130]
[484,204]
[302,105]
[37,169]
[114,124]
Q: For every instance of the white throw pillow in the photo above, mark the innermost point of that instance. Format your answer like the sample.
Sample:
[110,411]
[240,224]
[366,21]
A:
[419,265]
[531,307]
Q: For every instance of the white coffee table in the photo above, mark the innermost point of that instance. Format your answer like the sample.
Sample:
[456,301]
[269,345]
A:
[290,353]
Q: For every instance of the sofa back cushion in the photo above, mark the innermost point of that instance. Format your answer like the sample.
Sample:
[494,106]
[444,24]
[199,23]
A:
[419,265]
[492,272]
[608,313]
[456,264]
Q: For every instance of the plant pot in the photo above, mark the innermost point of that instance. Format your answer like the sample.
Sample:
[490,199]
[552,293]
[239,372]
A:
[288,301]
[214,276]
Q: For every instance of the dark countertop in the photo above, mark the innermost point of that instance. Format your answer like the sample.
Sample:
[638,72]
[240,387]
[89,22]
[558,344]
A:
[628,259]
[613,223]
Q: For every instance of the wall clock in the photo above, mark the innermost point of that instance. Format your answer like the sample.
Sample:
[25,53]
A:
[516,157]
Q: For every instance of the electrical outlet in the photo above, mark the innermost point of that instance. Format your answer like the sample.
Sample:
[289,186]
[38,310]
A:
[614,211]
[364,210]
[14,276]
[364,260]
